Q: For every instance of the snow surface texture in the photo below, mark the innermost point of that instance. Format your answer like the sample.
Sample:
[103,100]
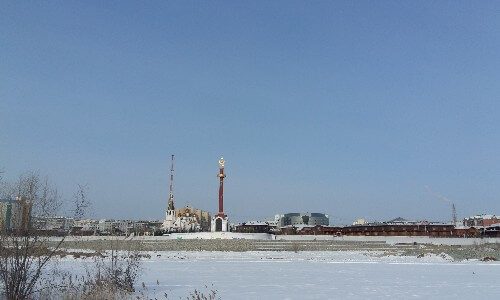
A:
[316,275]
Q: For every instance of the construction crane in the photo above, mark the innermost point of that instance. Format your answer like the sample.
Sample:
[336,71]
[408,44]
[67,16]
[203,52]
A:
[453,208]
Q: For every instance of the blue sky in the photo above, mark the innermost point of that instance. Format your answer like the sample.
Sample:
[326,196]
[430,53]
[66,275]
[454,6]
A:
[346,107]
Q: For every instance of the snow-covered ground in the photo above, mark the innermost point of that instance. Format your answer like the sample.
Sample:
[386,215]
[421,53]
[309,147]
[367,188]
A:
[316,275]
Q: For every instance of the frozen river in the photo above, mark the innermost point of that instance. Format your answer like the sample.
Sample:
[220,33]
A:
[319,275]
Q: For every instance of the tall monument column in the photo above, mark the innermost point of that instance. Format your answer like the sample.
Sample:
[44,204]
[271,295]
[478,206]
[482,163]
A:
[221,187]
[220,221]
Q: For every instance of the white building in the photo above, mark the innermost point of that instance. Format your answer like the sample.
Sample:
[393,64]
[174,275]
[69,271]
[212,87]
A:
[105,226]
[360,221]
[115,226]
[88,225]
[123,226]
[53,223]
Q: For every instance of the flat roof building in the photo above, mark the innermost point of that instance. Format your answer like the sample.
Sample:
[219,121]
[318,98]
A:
[299,219]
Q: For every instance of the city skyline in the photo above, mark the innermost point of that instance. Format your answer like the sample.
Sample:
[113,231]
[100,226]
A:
[349,109]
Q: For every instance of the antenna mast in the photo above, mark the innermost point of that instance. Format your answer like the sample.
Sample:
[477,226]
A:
[171,194]
[454,213]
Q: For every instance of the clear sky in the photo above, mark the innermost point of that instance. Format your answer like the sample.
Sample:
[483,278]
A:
[350,108]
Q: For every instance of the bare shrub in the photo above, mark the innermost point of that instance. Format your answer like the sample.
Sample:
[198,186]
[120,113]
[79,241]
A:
[488,258]
[25,254]
[111,275]
[295,247]
[29,259]
[120,270]
[207,294]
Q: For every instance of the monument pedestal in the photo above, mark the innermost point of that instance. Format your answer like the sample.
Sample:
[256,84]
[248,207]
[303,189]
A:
[219,224]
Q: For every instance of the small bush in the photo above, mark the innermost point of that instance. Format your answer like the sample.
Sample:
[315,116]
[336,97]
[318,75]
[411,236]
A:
[295,247]
[208,294]
[488,258]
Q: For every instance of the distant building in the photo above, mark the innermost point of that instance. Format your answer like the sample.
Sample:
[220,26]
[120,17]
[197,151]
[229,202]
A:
[359,222]
[254,227]
[56,224]
[396,221]
[300,219]
[200,218]
[481,220]
[105,226]
[15,214]
[122,227]
[114,227]
[491,231]
[86,226]
[6,214]
[400,220]
[187,219]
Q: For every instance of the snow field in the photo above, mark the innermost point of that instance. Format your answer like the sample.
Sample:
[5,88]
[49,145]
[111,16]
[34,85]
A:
[310,275]
[318,275]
